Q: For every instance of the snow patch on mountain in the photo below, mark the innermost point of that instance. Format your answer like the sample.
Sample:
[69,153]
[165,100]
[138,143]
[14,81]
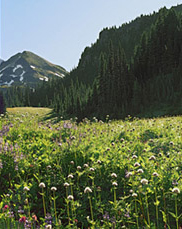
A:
[13,76]
[1,75]
[21,76]
[18,66]
[60,75]
[45,78]
[32,66]
[9,83]
[5,67]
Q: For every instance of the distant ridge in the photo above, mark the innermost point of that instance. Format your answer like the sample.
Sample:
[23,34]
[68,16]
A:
[27,68]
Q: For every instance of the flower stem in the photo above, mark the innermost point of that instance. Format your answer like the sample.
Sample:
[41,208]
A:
[176,209]
[43,202]
[67,203]
[55,209]
[156,207]
[91,211]
[148,216]
[136,212]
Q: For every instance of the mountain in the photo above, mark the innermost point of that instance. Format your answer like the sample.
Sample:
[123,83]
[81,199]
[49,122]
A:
[1,61]
[128,36]
[135,69]
[27,68]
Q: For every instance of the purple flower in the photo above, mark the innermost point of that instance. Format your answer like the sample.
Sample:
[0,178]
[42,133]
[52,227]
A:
[106,216]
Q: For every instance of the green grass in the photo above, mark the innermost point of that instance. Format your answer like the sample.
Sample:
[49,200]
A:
[131,167]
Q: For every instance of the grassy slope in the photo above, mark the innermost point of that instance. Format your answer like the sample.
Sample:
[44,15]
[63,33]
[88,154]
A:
[48,148]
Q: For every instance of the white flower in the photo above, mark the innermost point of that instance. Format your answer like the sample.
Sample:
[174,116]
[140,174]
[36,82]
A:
[79,167]
[92,169]
[176,190]
[49,226]
[134,194]
[70,197]
[66,184]
[99,162]
[136,164]
[53,189]
[128,174]
[72,162]
[140,170]
[87,190]
[114,183]
[152,158]
[144,181]
[42,185]
[155,174]
[113,175]
[26,189]
[134,157]
[70,176]
[85,165]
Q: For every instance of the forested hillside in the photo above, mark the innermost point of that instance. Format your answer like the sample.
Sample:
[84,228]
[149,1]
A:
[133,69]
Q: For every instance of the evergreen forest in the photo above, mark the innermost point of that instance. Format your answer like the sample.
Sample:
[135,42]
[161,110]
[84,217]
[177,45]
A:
[135,69]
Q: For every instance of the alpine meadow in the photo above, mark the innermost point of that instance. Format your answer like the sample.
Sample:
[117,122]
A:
[99,146]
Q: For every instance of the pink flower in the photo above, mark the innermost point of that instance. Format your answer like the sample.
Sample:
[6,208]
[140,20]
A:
[6,207]
[22,219]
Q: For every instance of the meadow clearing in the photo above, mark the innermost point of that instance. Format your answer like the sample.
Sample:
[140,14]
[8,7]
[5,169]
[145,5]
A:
[57,173]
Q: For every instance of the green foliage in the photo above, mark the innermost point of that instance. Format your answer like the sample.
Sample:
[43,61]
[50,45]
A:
[133,168]
[134,69]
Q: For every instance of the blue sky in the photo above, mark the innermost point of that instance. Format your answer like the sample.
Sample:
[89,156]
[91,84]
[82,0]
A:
[59,30]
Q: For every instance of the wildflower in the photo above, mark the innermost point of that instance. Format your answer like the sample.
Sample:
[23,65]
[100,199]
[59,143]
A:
[26,201]
[144,181]
[174,182]
[85,165]
[6,207]
[34,217]
[106,216]
[140,171]
[171,143]
[131,190]
[152,158]
[70,197]
[99,162]
[22,219]
[79,167]
[42,185]
[49,226]
[26,189]
[72,162]
[128,174]
[176,190]
[99,189]
[49,167]
[92,169]
[134,194]
[136,164]
[53,189]
[134,157]
[66,184]
[113,175]
[75,220]
[87,190]
[114,183]
[127,215]
[155,174]
[70,176]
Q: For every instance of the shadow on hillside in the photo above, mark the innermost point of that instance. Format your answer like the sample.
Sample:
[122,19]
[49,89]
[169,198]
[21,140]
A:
[52,117]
